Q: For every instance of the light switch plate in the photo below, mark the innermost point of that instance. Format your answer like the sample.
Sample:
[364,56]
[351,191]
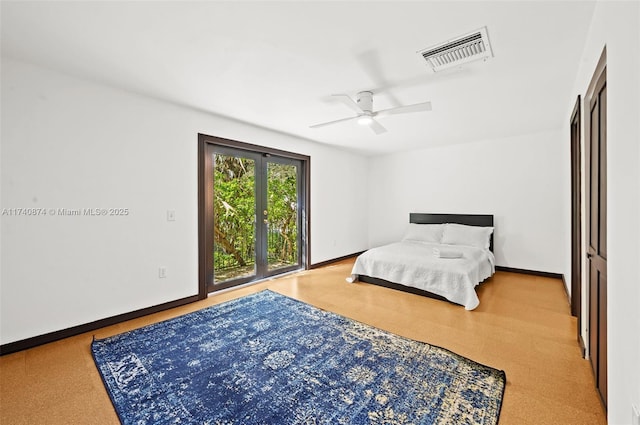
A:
[171,215]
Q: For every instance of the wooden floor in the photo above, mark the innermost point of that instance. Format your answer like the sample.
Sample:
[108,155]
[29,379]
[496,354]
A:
[522,326]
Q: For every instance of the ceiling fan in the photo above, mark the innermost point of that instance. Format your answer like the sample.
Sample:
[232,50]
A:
[363,106]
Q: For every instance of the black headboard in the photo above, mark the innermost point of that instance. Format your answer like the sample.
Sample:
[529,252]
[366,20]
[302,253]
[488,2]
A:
[468,219]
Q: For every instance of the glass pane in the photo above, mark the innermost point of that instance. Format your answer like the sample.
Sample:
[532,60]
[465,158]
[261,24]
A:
[234,253]
[282,215]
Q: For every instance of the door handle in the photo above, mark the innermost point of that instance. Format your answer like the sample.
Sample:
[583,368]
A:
[589,255]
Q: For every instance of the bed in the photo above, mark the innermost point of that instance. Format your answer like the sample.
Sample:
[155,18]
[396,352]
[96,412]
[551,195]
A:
[442,256]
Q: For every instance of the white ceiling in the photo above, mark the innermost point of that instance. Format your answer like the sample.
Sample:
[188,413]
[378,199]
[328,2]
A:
[275,64]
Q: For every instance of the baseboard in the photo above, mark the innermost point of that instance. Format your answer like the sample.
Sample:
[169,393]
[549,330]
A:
[334,260]
[531,272]
[541,274]
[35,341]
[583,347]
[25,344]
[566,290]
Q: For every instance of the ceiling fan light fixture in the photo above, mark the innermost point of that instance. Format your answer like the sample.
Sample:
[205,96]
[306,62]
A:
[365,120]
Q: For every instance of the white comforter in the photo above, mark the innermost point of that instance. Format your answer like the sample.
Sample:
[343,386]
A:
[415,264]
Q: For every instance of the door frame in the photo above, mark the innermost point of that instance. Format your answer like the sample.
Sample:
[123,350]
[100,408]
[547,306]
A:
[205,197]
[576,219]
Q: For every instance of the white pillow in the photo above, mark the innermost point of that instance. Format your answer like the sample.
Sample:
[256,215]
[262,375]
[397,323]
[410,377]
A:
[424,232]
[460,234]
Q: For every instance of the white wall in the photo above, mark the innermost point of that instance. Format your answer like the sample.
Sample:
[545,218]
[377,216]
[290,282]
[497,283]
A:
[521,180]
[69,143]
[617,25]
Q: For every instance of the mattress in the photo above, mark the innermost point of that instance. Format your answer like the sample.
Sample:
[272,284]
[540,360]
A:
[415,264]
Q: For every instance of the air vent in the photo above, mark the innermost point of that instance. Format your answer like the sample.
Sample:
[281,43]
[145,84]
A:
[460,50]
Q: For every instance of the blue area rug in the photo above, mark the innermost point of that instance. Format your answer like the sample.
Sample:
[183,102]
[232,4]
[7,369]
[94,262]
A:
[269,359]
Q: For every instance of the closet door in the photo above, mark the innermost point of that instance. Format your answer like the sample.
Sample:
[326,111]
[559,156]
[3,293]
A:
[596,190]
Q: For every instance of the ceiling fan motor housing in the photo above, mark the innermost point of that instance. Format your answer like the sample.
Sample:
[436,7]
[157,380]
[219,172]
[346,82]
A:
[365,101]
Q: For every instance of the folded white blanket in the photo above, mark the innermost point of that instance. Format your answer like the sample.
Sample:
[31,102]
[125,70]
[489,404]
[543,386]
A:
[447,253]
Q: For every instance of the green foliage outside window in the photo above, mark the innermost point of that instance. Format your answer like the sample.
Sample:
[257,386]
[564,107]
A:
[283,214]
[234,215]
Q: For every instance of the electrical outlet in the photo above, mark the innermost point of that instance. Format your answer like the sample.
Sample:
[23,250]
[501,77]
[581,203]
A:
[162,272]
[171,215]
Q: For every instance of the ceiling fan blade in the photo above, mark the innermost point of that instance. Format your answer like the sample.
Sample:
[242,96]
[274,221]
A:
[350,103]
[377,127]
[417,107]
[371,64]
[333,122]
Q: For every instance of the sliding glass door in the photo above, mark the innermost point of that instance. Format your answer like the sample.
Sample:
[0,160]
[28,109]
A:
[255,202]
[281,217]
[234,209]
